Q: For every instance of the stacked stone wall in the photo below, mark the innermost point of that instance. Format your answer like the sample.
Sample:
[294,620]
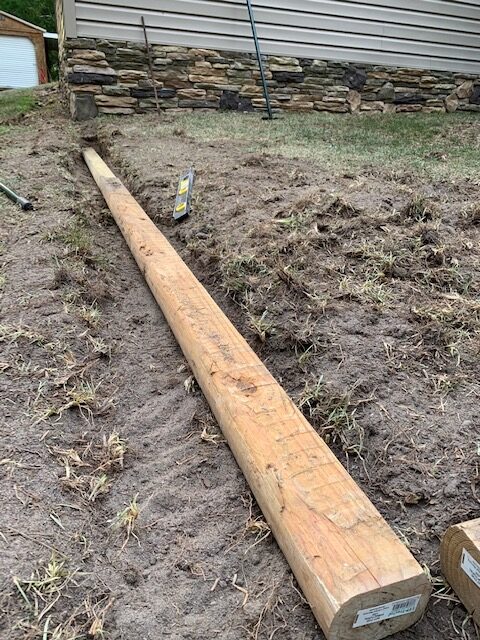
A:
[114,78]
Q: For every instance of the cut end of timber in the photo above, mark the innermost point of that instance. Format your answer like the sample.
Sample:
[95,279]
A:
[460,562]
[383,612]
[360,580]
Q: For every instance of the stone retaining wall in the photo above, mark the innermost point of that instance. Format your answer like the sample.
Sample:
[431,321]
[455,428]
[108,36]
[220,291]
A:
[113,77]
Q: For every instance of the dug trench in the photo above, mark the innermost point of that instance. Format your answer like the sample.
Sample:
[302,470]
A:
[125,513]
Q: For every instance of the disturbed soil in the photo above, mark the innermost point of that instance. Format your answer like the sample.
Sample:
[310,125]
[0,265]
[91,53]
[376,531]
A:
[124,512]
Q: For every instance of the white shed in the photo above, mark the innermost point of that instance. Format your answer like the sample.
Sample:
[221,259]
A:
[22,53]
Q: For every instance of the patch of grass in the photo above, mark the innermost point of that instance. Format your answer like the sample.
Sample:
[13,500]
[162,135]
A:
[430,265]
[334,415]
[11,334]
[89,469]
[49,579]
[90,314]
[114,450]
[240,274]
[81,395]
[340,207]
[370,290]
[295,281]
[452,325]
[260,326]
[386,141]
[99,346]
[126,520]
[293,222]
[378,262]
[472,215]
[419,209]
[213,438]
[15,103]
[303,335]
[75,236]
[50,611]
[41,593]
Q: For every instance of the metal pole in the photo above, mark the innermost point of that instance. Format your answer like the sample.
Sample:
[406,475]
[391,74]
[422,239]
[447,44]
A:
[259,58]
[150,64]
[23,202]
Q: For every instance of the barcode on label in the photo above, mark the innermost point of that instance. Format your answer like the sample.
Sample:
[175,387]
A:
[471,567]
[386,611]
[404,605]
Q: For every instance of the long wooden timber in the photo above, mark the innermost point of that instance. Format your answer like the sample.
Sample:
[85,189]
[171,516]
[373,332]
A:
[460,562]
[361,582]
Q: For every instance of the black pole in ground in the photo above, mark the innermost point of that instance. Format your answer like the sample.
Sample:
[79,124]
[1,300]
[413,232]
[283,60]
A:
[259,58]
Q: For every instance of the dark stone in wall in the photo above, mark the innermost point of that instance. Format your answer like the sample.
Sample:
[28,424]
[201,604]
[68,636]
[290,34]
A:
[369,97]
[386,92]
[150,93]
[409,98]
[91,78]
[134,66]
[475,97]
[83,107]
[355,78]
[80,43]
[245,104]
[197,104]
[288,76]
[231,101]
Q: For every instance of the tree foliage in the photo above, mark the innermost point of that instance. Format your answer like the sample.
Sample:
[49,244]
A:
[39,12]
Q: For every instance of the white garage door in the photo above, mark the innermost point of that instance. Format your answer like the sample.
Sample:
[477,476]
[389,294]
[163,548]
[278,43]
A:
[18,64]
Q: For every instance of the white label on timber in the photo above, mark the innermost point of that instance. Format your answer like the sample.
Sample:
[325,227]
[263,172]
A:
[471,567]
[386,611]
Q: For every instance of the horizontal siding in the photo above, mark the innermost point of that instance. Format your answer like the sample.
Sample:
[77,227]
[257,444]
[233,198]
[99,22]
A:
[440,35]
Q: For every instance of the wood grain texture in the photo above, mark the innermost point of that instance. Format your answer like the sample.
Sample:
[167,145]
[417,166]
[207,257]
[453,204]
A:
[342,552]
[459,538]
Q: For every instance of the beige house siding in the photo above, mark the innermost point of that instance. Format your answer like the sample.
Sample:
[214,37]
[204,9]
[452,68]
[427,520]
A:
[427,34]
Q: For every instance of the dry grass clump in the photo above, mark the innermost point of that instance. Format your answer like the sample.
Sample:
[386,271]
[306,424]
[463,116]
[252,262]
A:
[294,222]
[126,520]
[450,326]
[241,273]
[369,290]
[90,314]
[341,207]
[256,160]
[333,414]
[260,326]
[75,236]
[471,215]
[419,209]
[423,260]
[50,611]
[76,393]
[11,334]
[294,279]
[89,469]
[304,337]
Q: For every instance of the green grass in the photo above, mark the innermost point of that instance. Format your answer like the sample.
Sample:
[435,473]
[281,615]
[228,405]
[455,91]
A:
[441,145]
[14,103]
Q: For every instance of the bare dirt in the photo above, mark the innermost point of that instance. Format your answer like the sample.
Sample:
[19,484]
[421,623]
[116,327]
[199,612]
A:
[124,513]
